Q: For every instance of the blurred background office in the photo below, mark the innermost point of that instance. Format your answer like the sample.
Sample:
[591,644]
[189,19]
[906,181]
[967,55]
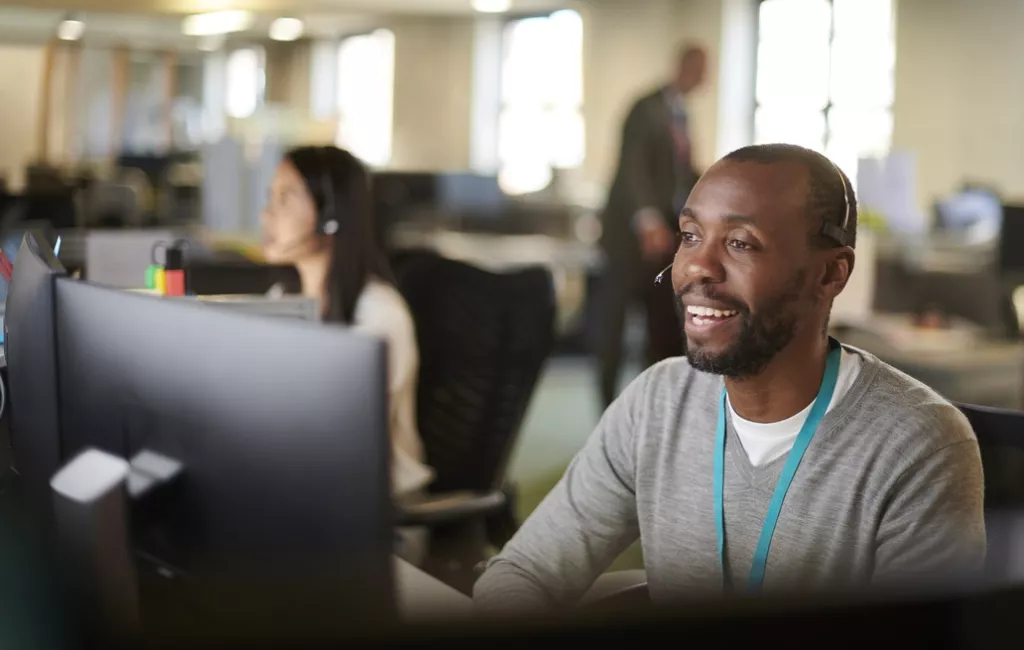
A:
[493,129]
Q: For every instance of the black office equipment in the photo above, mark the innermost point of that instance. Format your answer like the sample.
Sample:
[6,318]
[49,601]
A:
[483,339]
[1011,243]
[239,277]
[279,525]
[29,346]
[1000,435]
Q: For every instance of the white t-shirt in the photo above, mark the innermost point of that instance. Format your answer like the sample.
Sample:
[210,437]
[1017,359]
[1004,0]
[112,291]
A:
[766,442]
[381,311]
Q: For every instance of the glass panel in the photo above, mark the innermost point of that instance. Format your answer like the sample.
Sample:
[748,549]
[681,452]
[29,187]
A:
[564,68]
[855,134]
[787,20]
[526,54]
[523,148]
[788,73]
[803,127]
[867,19]
[524,178]
[243,82]
[366,70]
[566,139]
[862,76]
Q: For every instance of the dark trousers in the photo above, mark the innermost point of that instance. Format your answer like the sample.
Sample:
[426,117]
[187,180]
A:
[621,288]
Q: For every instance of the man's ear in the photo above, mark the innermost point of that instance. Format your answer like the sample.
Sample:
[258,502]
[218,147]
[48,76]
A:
[838,271]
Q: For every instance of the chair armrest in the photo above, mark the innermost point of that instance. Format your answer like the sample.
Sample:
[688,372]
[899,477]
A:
[448,508]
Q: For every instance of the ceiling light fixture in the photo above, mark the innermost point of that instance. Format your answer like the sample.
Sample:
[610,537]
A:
[286,29]
[216,22]
[492,6]
[70,30]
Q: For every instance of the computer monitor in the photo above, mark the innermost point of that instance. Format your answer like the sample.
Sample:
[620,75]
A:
[280,521]
[30,349]
[10,242]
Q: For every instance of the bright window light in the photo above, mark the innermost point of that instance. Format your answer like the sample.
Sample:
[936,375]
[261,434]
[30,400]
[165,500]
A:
[825,77]
[244,82]
[366,79]
[541,125]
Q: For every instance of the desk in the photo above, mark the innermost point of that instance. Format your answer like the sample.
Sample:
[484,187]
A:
[989,373]
[422,597]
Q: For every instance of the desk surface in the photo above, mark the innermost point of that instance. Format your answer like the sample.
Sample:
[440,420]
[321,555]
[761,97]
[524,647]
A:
[421,596]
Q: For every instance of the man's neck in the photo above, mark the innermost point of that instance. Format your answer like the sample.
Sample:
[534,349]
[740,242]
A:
[786,386]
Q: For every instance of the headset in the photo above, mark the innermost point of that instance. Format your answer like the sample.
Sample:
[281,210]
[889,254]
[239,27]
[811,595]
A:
[325,225]
[828,229]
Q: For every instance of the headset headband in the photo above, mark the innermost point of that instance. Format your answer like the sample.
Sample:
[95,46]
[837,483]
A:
[831,230]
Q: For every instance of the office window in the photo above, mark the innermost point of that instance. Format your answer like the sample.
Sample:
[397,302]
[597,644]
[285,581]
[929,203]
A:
[366,78]
[825,76]
[245,82]
[540,125]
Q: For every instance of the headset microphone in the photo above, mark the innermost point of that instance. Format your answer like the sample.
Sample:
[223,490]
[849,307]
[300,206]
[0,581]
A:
[657,279]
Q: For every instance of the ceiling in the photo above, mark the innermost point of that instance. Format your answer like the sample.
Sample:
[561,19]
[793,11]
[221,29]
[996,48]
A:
[272,6]
[157,23]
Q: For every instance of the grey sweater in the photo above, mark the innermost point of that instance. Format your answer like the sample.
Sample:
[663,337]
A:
[889,491]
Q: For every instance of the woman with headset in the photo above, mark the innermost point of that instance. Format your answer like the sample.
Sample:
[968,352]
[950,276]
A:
[319,219]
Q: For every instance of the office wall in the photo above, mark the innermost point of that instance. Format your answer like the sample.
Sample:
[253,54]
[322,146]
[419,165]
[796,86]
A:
[629,49]
[960,93]
[21,76]
[433,86]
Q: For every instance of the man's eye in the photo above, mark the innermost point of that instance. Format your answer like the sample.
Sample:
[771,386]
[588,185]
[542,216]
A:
[741,245]
[687,237]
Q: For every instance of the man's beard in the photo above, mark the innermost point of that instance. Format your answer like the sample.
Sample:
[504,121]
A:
[760,337]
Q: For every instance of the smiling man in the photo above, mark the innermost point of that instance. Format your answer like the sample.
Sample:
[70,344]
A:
[770,459]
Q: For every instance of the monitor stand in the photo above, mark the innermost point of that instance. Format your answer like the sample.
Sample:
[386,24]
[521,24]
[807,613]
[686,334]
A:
[93,495]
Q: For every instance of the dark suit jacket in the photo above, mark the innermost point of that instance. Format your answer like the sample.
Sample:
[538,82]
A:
[647,176]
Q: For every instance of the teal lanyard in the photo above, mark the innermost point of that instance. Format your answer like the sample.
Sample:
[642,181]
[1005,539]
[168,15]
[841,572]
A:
[803,440]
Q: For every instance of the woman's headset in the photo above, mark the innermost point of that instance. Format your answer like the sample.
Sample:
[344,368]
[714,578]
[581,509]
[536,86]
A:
[327,223]
[833,231]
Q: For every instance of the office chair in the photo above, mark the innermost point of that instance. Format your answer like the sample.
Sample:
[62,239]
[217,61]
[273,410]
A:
[1000,435]
[483,338]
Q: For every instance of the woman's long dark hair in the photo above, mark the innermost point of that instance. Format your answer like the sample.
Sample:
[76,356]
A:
[340,187]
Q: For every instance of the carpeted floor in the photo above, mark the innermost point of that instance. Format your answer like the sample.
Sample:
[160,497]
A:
[564,411]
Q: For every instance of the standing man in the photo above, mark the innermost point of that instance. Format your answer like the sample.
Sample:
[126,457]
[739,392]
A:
[654,177]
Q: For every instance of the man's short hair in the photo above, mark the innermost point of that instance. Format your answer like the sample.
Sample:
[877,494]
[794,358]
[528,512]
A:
[830,197]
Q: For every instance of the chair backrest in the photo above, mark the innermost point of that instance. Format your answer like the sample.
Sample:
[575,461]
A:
[1000,435]
[483,339]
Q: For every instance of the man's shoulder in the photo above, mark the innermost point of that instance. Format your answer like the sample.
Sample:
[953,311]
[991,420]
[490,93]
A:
[652,98]
[911,414]
[673,382]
